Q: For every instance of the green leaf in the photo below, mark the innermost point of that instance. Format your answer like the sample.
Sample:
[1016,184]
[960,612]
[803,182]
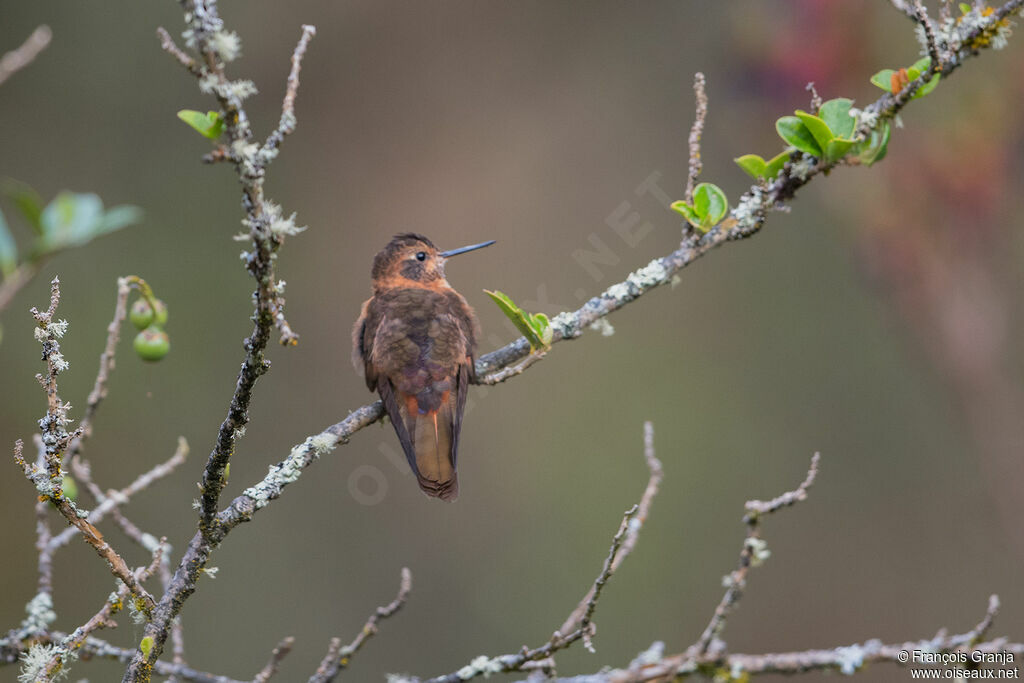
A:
[927,87]
[74,219]
[837,148]
[883,79]
[753,165]
[209,125]
[519,319]
[919,67]
[836,115]
[793,131]
[776,163]
[875,147]
[688,213]
[709,207]
[28,201]
[709,199]
[542,326]
[117,218]
[964,8]
[818,128]
[146,646]
[8,250]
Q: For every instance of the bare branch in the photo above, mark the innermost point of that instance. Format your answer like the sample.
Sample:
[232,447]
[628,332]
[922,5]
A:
[695,134]
[338,657]
[19,58]
[279,653]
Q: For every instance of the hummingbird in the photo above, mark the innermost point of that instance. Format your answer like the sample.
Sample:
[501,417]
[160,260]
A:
[415,342]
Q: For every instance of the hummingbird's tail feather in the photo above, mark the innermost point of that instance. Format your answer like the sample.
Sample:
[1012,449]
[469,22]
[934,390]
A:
[432,445]
[429,439]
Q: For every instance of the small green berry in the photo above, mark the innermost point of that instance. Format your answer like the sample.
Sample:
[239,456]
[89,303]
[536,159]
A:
[161,313]
[152,343]
[142,316]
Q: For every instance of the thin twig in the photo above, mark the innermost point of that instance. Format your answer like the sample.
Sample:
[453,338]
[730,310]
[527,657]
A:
[695,134]
[169,46]
[512,370]
[112,499]
[338,657]
[760,507]
[633,531]
[815,97]
[286,126]
[579,624]
[921,14]
[279,653]
[99,389]
[484,666]
[751,555]
[19,58]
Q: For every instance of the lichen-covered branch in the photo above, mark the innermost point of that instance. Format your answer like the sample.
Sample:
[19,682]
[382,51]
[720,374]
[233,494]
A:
[654,665]
[48,475]
[695,134]
[268,227]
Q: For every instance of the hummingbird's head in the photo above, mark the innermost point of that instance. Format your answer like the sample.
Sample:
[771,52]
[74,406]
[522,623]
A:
[413,257]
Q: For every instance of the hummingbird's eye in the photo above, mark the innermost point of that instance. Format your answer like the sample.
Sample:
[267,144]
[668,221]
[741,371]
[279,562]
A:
[421,256]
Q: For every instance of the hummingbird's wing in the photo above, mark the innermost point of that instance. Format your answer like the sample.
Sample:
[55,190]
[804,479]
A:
[363,334]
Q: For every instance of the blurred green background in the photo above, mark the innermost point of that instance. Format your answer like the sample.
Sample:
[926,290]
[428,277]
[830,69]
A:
[877,323]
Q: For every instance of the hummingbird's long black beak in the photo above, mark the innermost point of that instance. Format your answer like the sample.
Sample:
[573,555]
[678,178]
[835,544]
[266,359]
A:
[463,250]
